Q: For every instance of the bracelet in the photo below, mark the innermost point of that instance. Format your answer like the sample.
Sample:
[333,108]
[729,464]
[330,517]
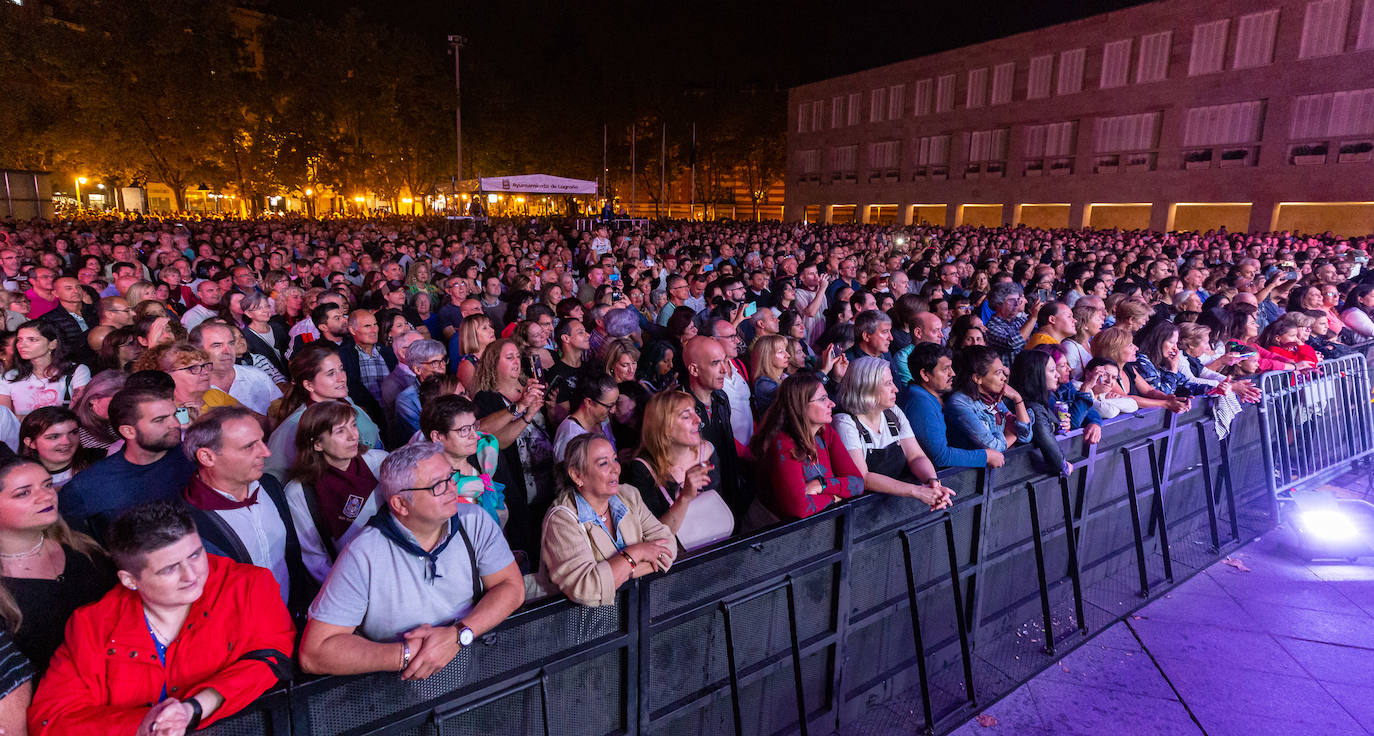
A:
[405,656]
[514,413]
[633,562]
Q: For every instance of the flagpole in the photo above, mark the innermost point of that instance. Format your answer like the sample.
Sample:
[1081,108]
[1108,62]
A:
[663,171]
[632,169]
[693,213]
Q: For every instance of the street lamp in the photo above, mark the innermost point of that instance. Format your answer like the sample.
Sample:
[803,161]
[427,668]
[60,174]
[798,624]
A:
[456,43]
[79,181]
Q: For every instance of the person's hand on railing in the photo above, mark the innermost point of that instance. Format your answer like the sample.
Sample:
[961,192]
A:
[651,556]
[1092,434]
[933,494]
[433,648]
[995,459]
[1177,404]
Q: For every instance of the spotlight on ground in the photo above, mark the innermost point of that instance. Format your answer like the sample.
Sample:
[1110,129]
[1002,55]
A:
[1324,527]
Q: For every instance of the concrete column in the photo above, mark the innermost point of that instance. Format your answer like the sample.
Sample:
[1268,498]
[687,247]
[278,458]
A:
[863,212]
[827,213]
[1078,215]
[1162,216]
[1011,214]
[1264,215]
[954,215]
[906,213]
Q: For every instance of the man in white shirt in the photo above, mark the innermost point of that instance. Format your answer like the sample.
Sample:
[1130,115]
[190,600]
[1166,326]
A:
[226,497]
[209,294]
[736,385]
[248,385]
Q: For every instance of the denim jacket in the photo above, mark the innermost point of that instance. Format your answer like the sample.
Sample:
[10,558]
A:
[975,425]
[1166,381]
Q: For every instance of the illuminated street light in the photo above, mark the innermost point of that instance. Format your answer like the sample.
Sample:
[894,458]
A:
[310,192]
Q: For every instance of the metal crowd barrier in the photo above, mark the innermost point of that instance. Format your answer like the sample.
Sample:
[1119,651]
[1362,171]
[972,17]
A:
[804,626]
[1315,423]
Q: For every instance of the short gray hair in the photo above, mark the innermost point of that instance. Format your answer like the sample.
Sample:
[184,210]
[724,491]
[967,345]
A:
[208,430]
[254,299]
[423,351]
[1003,291]
[397,472]
[858,393]
[621,322]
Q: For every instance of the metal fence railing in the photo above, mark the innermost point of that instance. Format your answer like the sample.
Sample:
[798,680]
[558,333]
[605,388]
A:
[1315,422]
[802,627]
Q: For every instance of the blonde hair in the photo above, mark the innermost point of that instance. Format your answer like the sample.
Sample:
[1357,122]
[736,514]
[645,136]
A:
[659,413]
[467,332]
[761,357]
[617,347]
[1111,343]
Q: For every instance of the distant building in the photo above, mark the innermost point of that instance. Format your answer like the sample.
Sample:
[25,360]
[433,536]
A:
[1176,115]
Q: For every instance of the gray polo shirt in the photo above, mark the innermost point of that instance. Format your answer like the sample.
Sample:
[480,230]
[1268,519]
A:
[381,589]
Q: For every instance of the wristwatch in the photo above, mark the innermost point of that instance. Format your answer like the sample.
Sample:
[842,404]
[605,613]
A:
[195,714]
[516,412]
[465,635]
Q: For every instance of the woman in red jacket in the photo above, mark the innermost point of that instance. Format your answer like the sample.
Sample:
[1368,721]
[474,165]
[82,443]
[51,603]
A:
[1284,346]
[800,455]
[181,643]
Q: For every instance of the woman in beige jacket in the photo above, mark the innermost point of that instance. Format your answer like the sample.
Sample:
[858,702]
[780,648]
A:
[594,539]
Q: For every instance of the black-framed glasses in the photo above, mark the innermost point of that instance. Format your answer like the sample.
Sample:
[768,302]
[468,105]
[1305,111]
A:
[602,404]
[466,430]
[440,487]
[199,369]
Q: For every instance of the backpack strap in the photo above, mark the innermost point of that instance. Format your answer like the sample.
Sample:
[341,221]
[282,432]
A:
[472,558]
[863,431]
[893,425]
[312,502]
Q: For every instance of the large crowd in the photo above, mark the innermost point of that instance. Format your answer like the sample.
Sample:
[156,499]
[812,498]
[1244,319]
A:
[387,435]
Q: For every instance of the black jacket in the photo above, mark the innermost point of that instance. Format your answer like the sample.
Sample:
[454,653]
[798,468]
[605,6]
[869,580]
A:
[728,475]
[257,346]
[72,336]
[219,538]
[348,355]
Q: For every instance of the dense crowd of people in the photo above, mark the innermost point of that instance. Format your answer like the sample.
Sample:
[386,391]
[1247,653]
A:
[387,435]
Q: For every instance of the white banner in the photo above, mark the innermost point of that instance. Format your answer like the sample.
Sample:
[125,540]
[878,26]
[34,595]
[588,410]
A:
[537,184]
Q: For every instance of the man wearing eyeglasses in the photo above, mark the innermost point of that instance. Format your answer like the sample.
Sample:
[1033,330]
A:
[418,586]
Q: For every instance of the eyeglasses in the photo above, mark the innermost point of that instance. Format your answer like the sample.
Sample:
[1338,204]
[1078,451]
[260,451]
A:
[602,404]
[467,430]
[435,361]
[199,369]
[440,487]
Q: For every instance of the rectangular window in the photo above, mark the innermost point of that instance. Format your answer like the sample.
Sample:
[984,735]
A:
[877,104]
[1071,72]
[1003,75]
[895,101]
[817,111]
[1052,140]
[855,99]
[1365,40]
[1116,64]
[932,151]
[843,159]
[1323,28]
[1153,65]
[1333,114]
[836,111]
[987,145]
[1038,86]
[883,154]
[1123,133]
[944,93]
[977,94]
[1238,122]
[1209,47]
[924,93]
[1255,39]
[803,116]
[809,161]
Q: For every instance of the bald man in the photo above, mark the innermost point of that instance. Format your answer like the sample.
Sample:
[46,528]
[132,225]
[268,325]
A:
[72,317]
[707,365]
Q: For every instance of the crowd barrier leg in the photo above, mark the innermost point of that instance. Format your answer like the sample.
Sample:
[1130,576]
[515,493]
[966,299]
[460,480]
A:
[1229,484]
[725,609]
[927,710]
[1040,568]
[1135,522]
[1207,489]
[1071,540]
[1157,471]
[965,649]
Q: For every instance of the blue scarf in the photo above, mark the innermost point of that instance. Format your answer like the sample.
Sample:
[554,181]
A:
[385,523]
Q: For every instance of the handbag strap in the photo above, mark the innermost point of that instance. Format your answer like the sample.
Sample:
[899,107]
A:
[472,558]
[312,502]
[276,660]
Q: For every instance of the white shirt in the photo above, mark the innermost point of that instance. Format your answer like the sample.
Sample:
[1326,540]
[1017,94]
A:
[34,392]
[252,388]
[195,315]
[881,435]
[261,532]
[741,414]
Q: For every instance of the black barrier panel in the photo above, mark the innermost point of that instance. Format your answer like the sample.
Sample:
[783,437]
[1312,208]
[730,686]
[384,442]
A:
[803,627]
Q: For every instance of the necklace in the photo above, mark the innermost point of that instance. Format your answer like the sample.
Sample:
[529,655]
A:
[22,555]
[162,639]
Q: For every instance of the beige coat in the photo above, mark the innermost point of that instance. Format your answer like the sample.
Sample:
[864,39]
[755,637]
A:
[575,556]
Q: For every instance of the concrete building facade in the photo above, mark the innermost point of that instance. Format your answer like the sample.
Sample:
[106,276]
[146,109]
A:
[1175,115]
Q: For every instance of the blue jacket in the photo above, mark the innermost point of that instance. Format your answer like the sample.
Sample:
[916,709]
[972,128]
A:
[973,424]
[927,420]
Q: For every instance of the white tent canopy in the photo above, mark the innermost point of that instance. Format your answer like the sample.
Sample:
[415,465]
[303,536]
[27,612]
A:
[537,184]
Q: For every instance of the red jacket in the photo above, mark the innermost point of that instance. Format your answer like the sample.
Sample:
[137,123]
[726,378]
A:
[106,675]
[787,477]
